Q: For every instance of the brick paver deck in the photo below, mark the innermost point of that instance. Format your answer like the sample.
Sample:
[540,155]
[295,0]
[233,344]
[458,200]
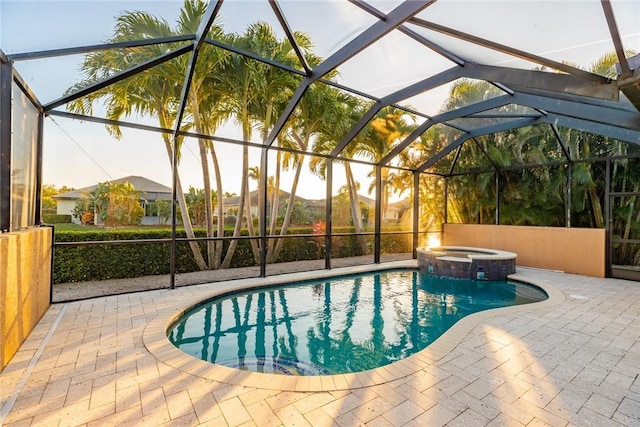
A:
[573,360]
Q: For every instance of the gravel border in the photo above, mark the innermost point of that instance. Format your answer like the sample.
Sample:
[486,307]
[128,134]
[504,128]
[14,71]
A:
[73,291]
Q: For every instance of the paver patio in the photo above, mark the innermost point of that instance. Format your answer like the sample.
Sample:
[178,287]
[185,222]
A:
[571,361]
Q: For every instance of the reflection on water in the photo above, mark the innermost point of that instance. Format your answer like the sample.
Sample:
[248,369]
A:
[347,324]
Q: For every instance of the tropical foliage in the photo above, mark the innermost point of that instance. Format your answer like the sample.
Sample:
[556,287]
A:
[117,204]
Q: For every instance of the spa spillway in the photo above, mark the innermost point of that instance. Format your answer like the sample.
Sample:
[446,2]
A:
[467,262]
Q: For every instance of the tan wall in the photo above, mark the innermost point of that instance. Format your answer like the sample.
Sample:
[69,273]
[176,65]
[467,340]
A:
[25,270]
[573,250]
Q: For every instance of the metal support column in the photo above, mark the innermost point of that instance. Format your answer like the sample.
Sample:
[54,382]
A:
[569,193]
[497,180]
[328,214]
[6,78]
[567,155]
[446,198]
[262,216]
[174,210]
[378,214]
[52,261]
[37,220]
[608,257]
[416,212]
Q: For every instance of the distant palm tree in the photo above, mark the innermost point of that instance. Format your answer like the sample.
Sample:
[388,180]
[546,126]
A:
[389,127]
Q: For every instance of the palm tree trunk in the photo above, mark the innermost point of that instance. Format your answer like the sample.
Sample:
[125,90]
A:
[385,193]
[273,256]
[596,206]
[627,227]
[250,229]
[275,207]
[220,232]
[207,199]
[206,178]
[355,209]
[182,203]
[243,190]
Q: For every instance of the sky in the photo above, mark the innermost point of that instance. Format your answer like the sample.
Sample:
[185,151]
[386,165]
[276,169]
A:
[79,154]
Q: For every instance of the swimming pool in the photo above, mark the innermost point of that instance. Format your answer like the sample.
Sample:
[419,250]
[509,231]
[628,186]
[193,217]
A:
[338,325]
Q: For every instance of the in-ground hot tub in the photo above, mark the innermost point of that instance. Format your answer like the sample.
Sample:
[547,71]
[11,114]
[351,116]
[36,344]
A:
[467,262]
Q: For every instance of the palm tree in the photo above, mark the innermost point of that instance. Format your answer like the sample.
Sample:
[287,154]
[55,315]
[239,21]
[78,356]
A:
[346,111]
[154,93]
[239,82]
[296,131]
[383,133]
[314,109]
[256,93]
[203,106]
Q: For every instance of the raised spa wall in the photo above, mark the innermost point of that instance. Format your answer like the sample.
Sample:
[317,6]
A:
[480,264]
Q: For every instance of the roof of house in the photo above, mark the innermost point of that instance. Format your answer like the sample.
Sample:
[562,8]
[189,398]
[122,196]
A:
[400,204]
[234,201]
[284,195]
[140,183]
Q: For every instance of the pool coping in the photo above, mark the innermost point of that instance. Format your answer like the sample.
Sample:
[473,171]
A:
[156,342]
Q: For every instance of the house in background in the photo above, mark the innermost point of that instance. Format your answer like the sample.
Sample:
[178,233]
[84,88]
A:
[150,193]
[396,211]
[231,204]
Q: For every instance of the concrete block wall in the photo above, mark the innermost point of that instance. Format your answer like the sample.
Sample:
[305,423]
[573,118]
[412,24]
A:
[572,250]
[25,271]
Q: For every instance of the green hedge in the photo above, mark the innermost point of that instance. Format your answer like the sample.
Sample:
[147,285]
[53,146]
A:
[56,219]
[100,262]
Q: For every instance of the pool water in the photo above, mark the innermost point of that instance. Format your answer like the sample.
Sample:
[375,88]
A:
[337,325]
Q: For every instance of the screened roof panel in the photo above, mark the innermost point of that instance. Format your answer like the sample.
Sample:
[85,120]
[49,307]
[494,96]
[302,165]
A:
[430,143]
[64,24]
[429,102]
[257,30]
[385,6]
[124,99]
[538,27]
[307,121]
[540,138]
[585,146]
[330,24]
[335,113]
[391,64]
[627,13]
[443,166]
[464,92]
[62,73]
[236,17]
[389,127]
[473,157]
[471,52]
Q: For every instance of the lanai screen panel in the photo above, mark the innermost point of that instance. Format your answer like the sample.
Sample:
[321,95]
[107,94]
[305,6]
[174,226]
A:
[24,151]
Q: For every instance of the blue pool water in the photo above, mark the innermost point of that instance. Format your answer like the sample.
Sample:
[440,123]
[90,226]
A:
[337,325]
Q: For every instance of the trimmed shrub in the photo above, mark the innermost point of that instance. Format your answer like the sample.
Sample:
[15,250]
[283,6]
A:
[129,259]
[56,219]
